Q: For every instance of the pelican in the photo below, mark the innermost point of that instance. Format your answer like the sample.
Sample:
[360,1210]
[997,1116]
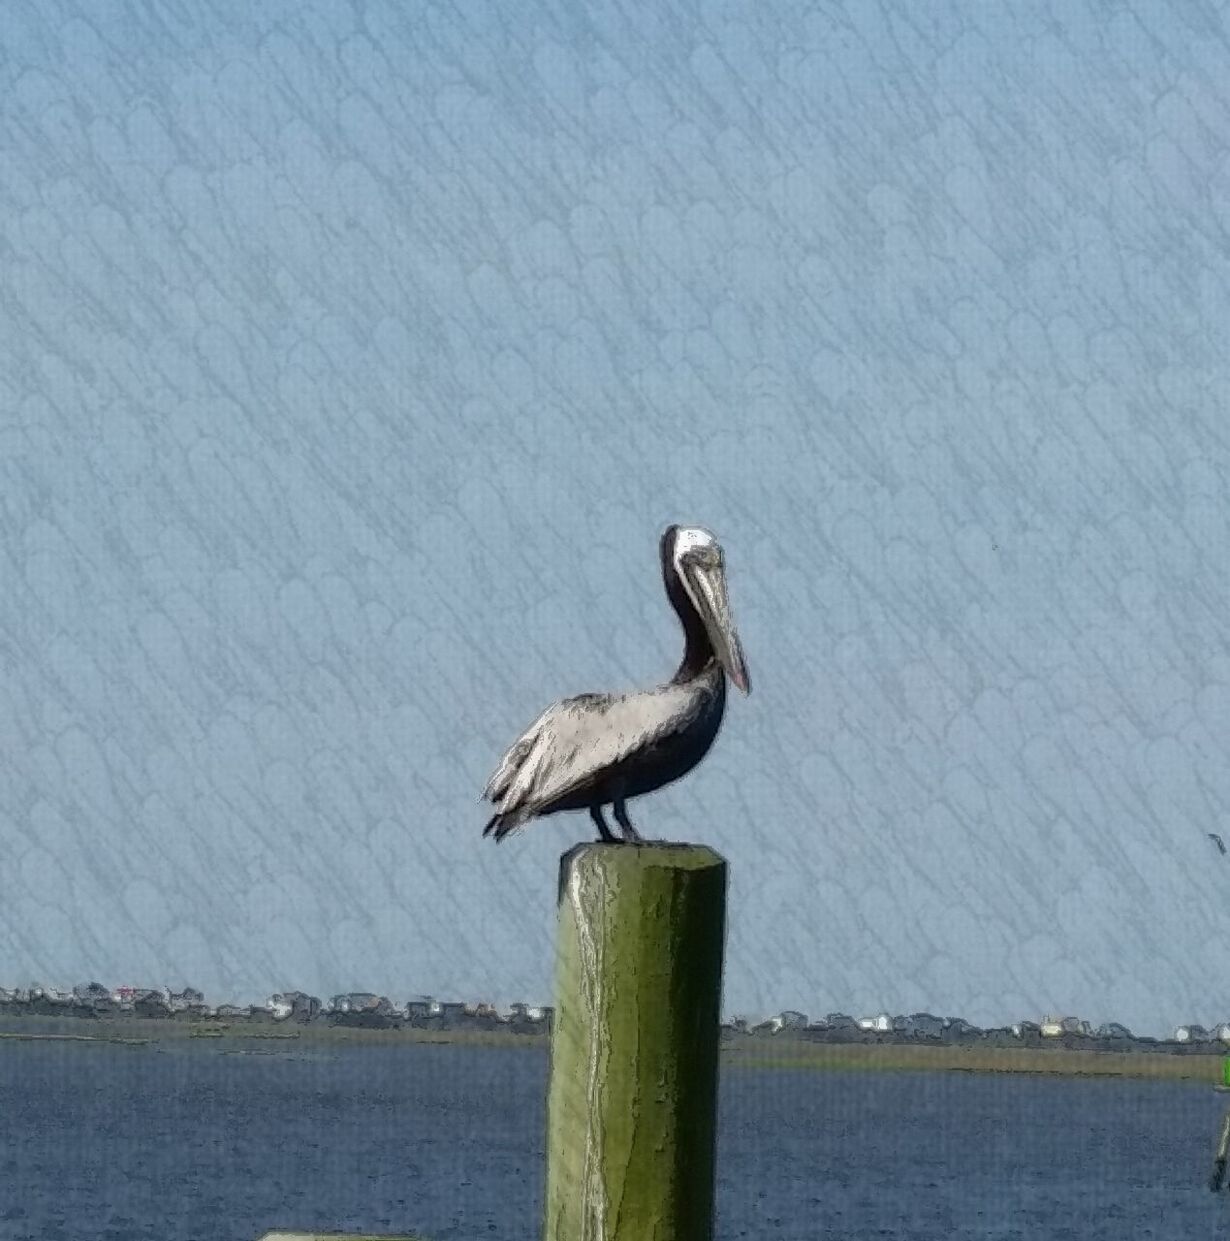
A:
[594,750]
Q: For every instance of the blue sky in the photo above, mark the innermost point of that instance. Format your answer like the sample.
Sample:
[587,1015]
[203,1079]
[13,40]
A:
[352,358]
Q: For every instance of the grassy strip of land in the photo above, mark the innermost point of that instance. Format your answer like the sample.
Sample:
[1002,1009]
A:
[773,1052]
[144,1030]
[24,1036]
[1056,1062]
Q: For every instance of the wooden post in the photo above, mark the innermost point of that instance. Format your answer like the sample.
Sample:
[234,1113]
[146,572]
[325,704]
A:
[1219,1158]
[333,1236]
[632,1103]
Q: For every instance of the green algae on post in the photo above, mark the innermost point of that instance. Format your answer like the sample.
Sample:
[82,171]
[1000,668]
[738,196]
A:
[632,1103]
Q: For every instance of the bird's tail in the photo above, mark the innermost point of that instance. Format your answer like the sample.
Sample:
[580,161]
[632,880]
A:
[500,825]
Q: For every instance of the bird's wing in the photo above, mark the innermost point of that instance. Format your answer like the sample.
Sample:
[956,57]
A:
[497,786]
[574,740]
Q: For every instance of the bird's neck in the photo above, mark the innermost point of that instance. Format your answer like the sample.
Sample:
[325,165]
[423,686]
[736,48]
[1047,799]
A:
[698,653]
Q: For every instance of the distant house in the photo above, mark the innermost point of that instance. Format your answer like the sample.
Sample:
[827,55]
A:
[232,1012]
[1056,1027]
[279,1007]
[735,1027]
[788,1020]
[34,998]
[483,1015]
[881,1023]
[151,1003]
[362,1008]
[419,1012]
[307,1007]
[1112,1030]
[452,1015]
[92,999]
[524,1018]
[460,1015]
[924,1026]
[958,1030]
[840,1021]
[188,1002]
[128,998]
[91,992]
[293,1005]
[1192,1034]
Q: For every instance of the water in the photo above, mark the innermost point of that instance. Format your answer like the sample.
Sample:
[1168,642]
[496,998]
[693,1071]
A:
[185,1141]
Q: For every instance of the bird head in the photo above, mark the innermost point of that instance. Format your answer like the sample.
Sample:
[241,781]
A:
[697,559]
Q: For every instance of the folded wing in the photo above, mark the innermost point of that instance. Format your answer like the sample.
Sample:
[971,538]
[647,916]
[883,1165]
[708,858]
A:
[576,742]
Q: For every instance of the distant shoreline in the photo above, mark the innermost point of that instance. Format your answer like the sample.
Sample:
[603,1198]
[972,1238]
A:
[784,1050]
[129,1030]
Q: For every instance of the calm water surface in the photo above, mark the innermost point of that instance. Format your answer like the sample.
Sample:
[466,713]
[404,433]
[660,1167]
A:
[185,1141]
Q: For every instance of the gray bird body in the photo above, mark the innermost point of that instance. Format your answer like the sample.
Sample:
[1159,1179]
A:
[593,750]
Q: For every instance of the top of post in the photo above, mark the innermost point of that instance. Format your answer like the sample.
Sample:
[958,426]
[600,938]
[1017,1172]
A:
[620,860]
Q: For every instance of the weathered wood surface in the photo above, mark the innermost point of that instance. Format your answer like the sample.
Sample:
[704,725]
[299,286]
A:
[1221,1154]
[632,1102]
[337,1236]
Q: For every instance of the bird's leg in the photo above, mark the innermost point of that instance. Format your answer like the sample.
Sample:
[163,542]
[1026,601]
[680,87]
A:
[621,817]
[604,832]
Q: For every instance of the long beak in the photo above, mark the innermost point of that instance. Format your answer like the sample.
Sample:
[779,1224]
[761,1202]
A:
[709,592]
